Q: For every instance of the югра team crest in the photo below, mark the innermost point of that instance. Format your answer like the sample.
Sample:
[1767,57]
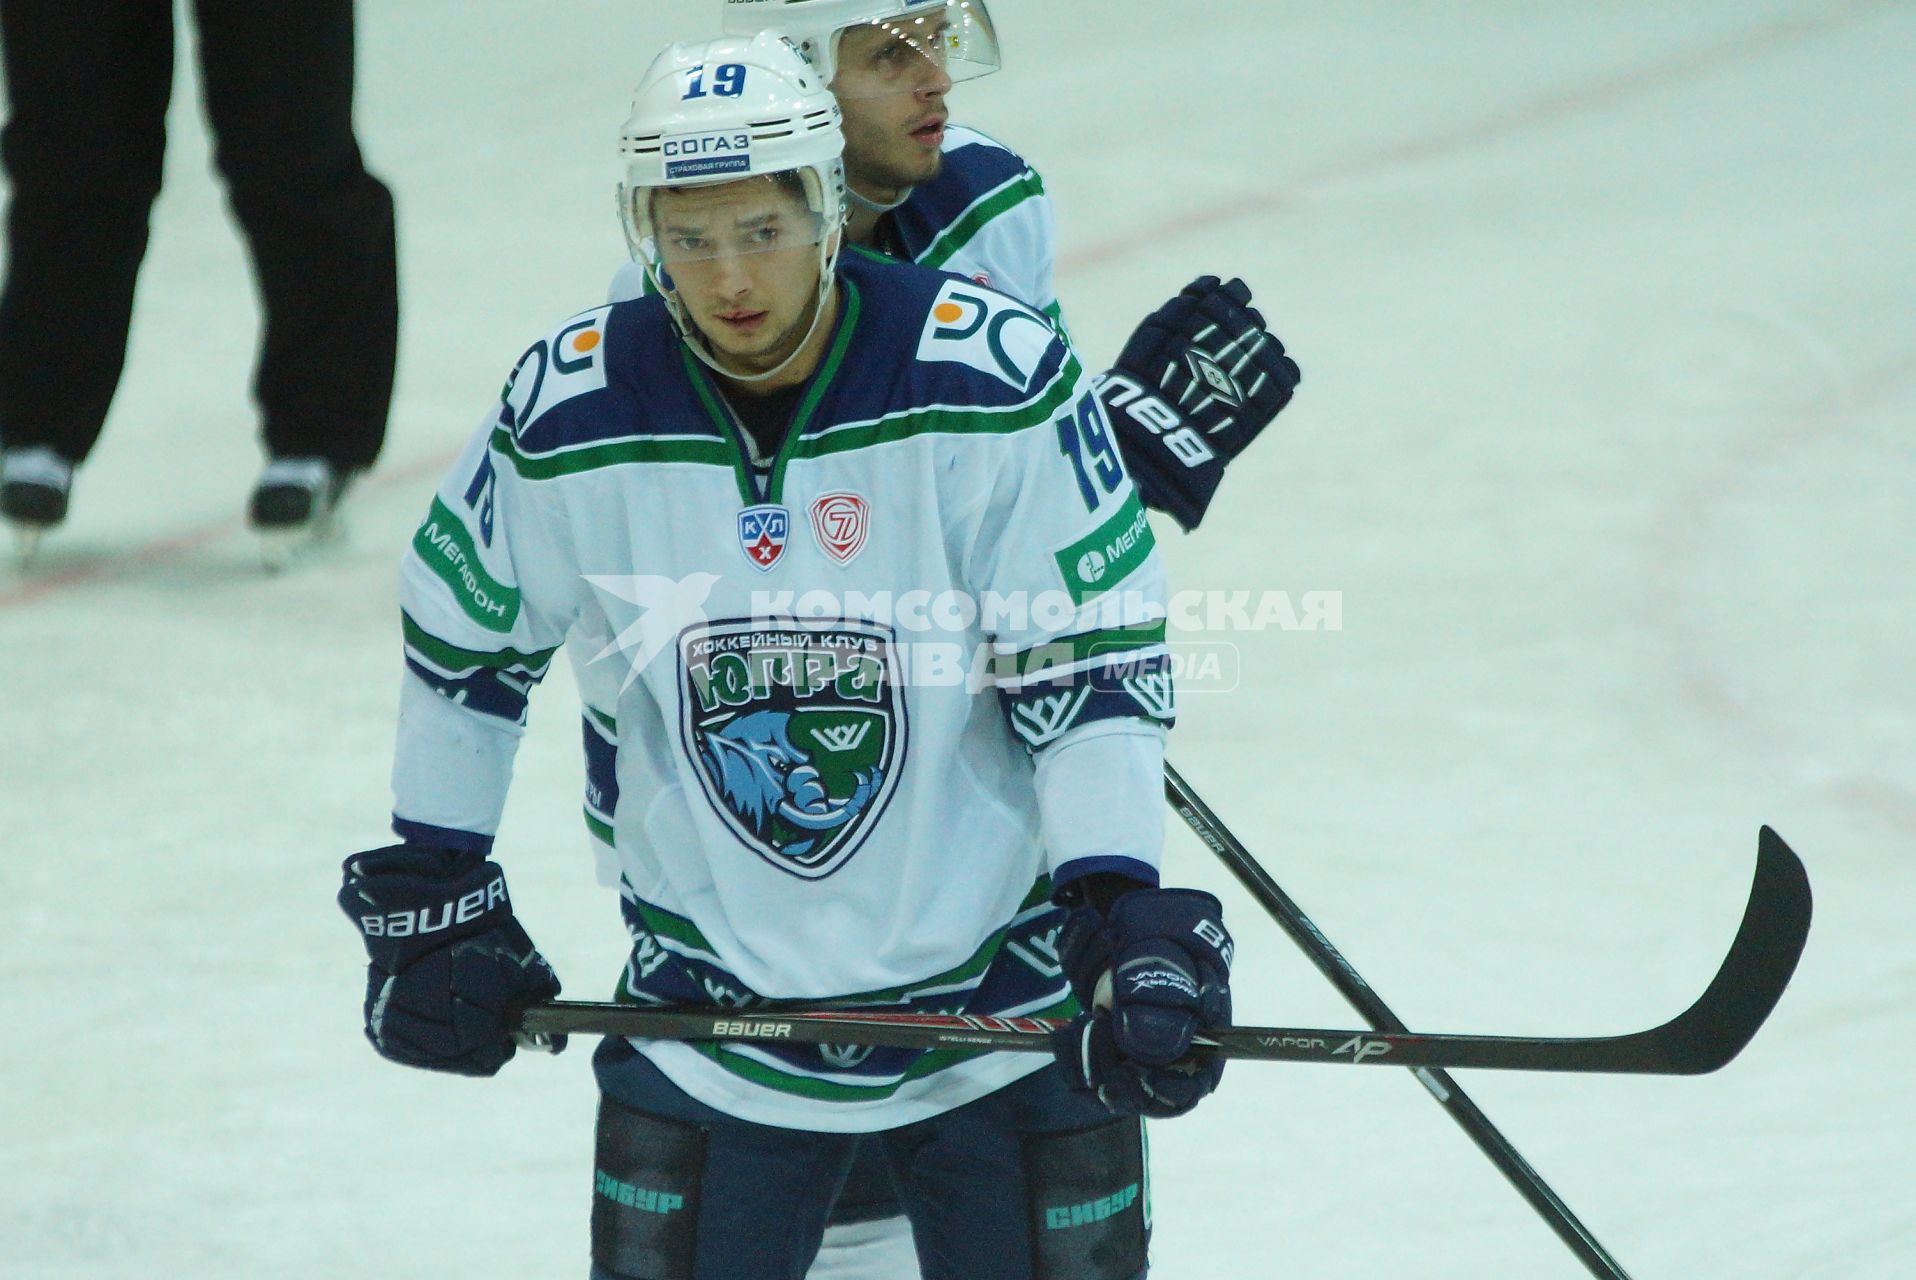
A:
[797,733]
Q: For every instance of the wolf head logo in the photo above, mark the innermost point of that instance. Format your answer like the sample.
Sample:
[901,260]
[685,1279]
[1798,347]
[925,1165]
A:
[767,780]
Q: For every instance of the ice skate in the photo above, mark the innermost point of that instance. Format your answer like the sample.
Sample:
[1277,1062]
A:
[295,506]
[34,487]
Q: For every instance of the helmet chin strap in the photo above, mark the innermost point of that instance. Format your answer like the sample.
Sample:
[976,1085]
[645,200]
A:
[872,206]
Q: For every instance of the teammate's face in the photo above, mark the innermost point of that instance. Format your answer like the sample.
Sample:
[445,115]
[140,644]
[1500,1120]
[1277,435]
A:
[743,261]
[892,93]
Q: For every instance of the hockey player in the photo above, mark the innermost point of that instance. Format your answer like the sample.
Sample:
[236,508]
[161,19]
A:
[813,808]
[1198,380]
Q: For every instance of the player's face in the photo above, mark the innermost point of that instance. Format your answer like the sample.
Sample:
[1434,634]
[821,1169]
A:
[891,90]
[743,261]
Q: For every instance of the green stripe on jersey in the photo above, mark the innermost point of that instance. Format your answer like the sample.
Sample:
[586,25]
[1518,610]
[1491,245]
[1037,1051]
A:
[699,450]
[947,421]
[453,660]
[601,829]
[995,203]
[1055,314]
[844,438]
[685,937]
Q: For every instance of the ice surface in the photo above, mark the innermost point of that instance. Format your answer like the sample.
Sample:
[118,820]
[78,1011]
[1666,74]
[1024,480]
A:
[1606,316]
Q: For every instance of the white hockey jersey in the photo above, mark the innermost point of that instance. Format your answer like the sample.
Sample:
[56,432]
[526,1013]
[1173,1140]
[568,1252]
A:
[831,697]
[986,216]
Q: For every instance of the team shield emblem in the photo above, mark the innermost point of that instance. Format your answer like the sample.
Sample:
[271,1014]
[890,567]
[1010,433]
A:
[840,522]
[796,734]
[762,534]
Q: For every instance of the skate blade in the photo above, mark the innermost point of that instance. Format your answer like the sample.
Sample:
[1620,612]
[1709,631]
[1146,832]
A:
[26,544]
[279,548]
[283,549]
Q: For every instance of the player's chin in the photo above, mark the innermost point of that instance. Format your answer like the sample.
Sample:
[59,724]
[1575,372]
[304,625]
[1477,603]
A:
[913,164]
[927,162]
[754,354]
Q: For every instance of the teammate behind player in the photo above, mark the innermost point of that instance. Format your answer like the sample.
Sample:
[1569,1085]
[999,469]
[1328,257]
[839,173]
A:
[810,812]
[1201,376]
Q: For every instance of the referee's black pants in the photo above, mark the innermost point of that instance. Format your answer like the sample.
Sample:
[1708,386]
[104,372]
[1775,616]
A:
[88,82]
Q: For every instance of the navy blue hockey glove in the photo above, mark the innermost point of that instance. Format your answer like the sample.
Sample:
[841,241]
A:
[1194,385]
[451,967]
[1151,971]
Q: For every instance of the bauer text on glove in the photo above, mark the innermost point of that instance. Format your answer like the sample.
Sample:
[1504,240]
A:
[1196,383]
[450,967]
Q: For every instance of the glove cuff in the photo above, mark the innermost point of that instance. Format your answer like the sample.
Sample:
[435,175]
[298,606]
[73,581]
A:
[1098,890]
[1174,467]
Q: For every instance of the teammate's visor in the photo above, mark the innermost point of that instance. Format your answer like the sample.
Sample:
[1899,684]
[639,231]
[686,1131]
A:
[731,219]
[906,53]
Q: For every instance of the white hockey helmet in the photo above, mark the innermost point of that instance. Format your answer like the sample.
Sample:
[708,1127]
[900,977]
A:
[722,110]
[725,111]
[957,35]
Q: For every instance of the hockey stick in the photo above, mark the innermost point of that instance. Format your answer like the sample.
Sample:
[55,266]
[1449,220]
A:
[1187,804]
[1702,1038]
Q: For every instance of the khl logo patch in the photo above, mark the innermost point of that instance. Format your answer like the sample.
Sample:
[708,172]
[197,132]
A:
[797,733]
[762,534]
[841,522]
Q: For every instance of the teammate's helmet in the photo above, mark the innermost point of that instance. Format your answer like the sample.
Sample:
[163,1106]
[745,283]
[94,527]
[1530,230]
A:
[957,35]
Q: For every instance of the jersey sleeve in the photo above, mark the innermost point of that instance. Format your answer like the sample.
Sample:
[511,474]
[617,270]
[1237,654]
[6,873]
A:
[1006,235]
[1068,566]
[488,593]
[1100,806]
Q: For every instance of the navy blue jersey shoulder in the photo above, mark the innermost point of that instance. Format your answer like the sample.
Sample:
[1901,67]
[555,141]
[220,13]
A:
[612,373]
[970,171]
[622,372]
[903,356]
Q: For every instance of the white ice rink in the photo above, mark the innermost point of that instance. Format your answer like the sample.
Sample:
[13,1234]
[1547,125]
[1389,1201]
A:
[1608,321]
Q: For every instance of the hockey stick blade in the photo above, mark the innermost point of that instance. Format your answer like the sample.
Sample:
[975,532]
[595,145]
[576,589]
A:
[1762,959]
[1702,1038]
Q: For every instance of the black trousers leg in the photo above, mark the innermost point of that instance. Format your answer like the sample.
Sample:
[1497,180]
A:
[88,81]
[279,91]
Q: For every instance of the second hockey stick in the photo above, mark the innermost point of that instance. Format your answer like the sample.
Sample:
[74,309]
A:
[1258,882]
